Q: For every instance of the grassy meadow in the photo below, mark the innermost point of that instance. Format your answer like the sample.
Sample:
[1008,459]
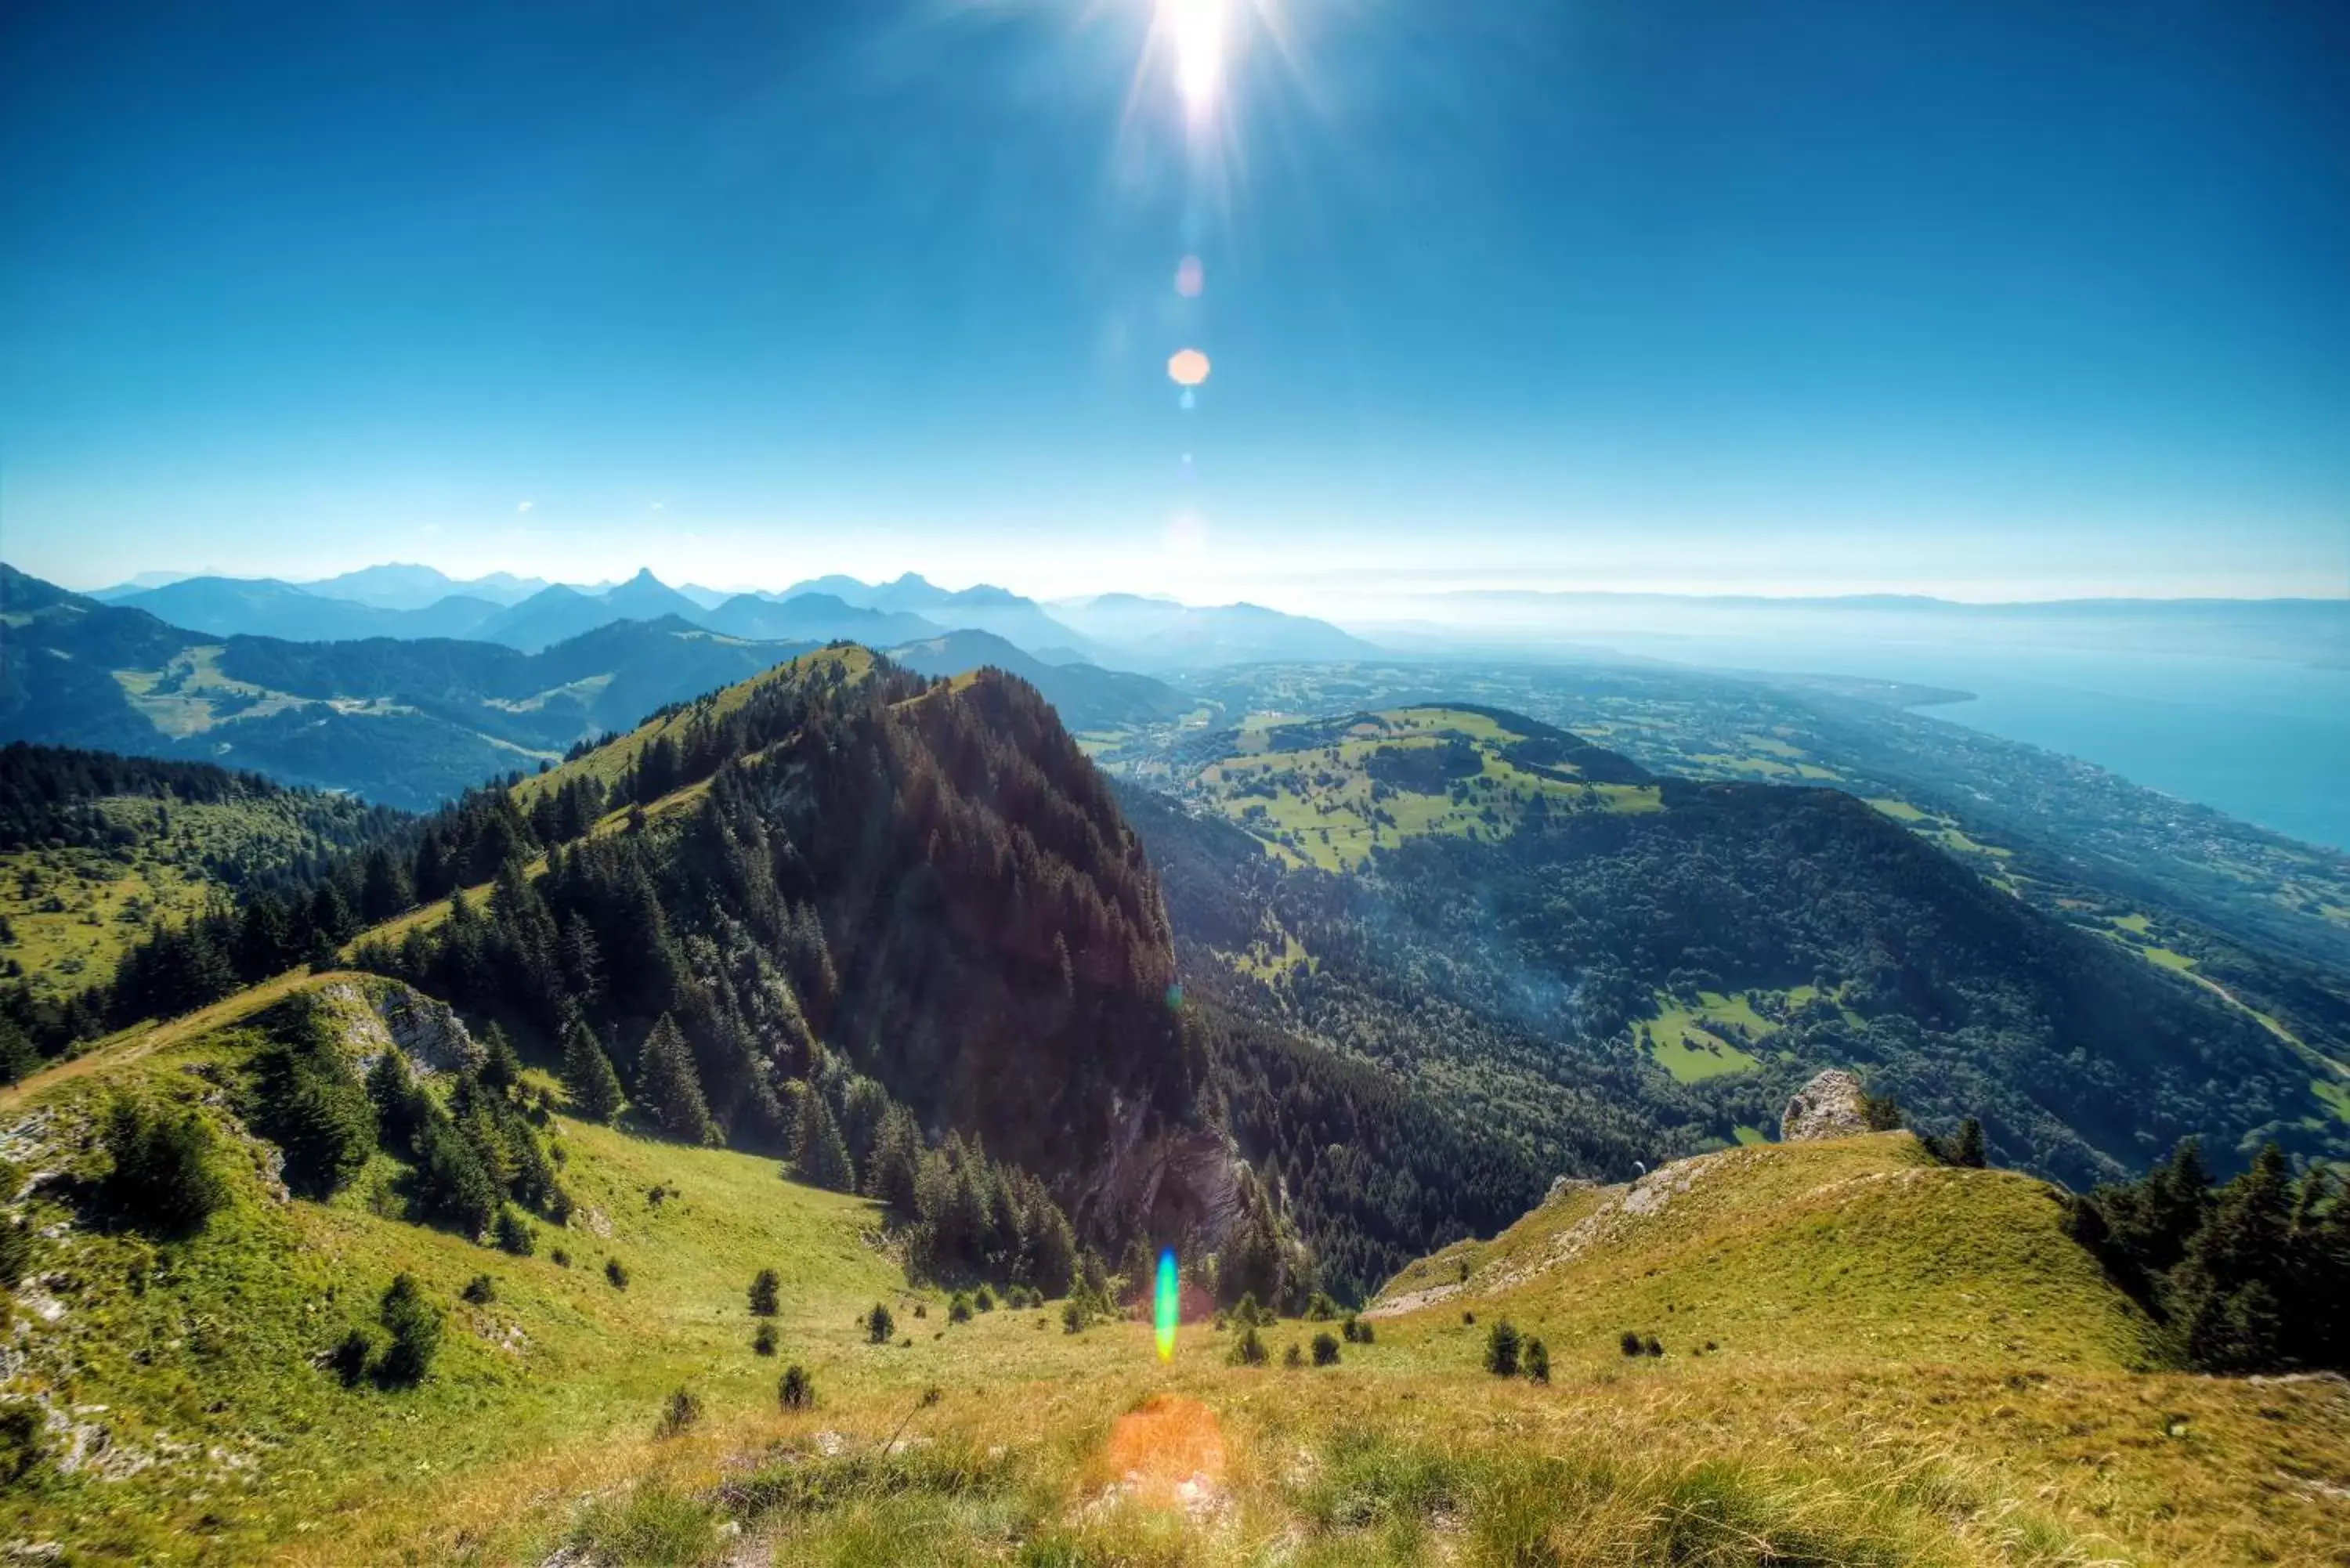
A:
[1866,1358]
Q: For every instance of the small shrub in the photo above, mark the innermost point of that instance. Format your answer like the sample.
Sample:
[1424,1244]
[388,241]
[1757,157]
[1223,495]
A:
[682,1414]
[878,1324]
[1365,1332]
[795,1390]
[1248,1350]
[763,1342]
[559,1258]
[165,1179]
[414,1325]
[617,1273]
[1537,1361]
[348,1360]
[1630,1343]
[1320,1308]
[1469,1319]
[1652,1346]
[983,1299]
[1293,1356]
[514,1234]
[765,1286]
[1325,1350]
[959,1307]
[24,1447]
[1247,1314]
[921,1309]
[480,1290]
[1502,1347]
[1073,1318]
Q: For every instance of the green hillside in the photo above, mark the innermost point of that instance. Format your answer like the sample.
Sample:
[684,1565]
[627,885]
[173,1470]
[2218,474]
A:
[1329,794]
[1789,1255]
[1908,1366]
[95,848]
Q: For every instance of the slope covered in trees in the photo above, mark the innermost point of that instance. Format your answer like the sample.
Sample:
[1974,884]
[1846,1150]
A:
[842,863]
[96,850]
[1539,970]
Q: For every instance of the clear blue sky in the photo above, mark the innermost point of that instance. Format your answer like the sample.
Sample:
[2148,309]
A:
[1997,301]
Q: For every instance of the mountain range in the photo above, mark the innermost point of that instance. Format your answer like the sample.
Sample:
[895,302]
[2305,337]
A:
[412,602]
[410,721]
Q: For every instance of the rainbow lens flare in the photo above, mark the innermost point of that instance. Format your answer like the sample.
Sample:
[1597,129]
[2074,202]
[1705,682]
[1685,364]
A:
[1168,1307]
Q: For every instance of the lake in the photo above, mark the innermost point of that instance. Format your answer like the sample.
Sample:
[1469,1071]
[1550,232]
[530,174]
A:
[2260,740]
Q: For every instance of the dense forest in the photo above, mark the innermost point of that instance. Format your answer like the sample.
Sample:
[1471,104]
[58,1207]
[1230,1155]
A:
[930,878]
[2246,1276]
[1511,982]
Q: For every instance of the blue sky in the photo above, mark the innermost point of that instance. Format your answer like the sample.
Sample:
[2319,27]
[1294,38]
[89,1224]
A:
[1992,301]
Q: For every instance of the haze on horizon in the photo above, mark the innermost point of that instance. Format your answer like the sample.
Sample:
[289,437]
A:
[2007,303]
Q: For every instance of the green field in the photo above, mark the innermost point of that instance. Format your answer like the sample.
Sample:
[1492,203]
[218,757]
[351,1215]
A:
[1320,805]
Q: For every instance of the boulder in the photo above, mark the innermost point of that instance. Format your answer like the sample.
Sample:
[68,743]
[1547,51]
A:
[1831,1106]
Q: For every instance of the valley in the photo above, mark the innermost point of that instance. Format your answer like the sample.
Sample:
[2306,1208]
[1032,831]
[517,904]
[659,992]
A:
[1430,1011]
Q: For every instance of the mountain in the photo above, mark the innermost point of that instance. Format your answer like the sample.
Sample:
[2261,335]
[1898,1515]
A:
[1163,634]
[813,617]
[1086,697]
[549,615]
[397,587]
[139,583]
[1629,968]
[646,597]
[1018,620]
[408,723]
[228,607]
[849,590]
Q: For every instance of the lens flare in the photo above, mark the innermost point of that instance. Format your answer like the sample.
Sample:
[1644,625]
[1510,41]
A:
[1168,1307]
[1187,368]
[1191,278]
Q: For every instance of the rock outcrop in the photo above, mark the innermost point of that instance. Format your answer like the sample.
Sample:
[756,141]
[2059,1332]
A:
[378,1014]
[1831,1106]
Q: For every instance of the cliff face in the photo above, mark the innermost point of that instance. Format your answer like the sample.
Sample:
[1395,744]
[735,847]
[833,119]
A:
[1167,1182]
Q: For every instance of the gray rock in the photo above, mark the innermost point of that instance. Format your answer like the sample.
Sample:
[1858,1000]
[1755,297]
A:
[1830,1105]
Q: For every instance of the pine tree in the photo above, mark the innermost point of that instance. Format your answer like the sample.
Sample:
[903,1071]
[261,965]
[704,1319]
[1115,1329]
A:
[2230,1292]
[588,1076]
[501,1068]
[670,1089]
[818,1151]
[582,962]
[1966,1149]
[896,1166]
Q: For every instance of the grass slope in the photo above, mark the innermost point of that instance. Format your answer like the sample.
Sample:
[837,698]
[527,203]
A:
[1328,793]
[1910,1367]
[1794,1254]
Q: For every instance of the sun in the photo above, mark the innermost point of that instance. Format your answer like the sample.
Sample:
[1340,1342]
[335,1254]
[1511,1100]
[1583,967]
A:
[1197,29]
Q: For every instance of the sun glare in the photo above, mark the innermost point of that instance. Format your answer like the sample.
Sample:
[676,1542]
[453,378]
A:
[1196,28]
